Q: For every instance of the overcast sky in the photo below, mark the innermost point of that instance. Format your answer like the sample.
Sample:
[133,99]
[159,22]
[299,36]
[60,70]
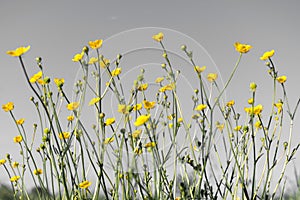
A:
[56,30]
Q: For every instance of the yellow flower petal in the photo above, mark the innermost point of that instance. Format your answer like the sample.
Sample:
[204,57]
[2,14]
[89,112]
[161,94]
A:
[242,48]
[18,139]
[141,120]
[84,184]
[14,178]
[109,140]
[267,55]
[18,52]
[211,77]
[37,172]
[8,107]
[116,71]
[281,79]
[110,121]
[64,135]
[158,37]
[73,106]
[78,57]
[201,107]
[96,44]
[94,101]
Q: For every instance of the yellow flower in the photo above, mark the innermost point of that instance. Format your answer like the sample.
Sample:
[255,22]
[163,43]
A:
[137,107]
[78,57]
[64,135]
[143,87]
[93,60]
[2,161]
[200,107]
[258,124]
[230,103]
[59,82]
[211,77]
[267,55]
[180,120]
[109,140]
[159,79]
[14,178]
[220,126]
[158,37]
[136,133]
[104,63]
[116,71]
[95,44]
[237,128]
[279,107]
[150,144]
[20,121]
[138,150]
[171,125]
[41,82]
[281,79]
[94,101]
[110,121]
[250,101]
[15,164]
[256,110]
[242,48]
[199,69]
[141,120]
[253,87]
[73,106]
[84,184]
[37,172]
[166,87]
[149,104]
[36,77]
[18,139]
[70,118]
[8,107]
[18,52]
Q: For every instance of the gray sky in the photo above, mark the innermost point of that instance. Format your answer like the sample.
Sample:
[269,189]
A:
[56,30]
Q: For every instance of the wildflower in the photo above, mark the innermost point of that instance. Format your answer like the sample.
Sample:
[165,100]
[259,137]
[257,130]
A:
[256,110]
[237,128]
[166,87]
[242,48]
[138,150]
[116,71]
[18,139]
[70,118]
[267,55]
[110,121]
[281,79]
[180,120]
[94,101]
[2,161]
[230,103]
[220,126]
[64,135]
[159,79]
[95,44]
[84,184]
[211,77]
[8,107]
[78,57]
[199,69]
[20,121]
[149,104]
[19,51]
[15,164]
[171,125]
[104,63]
[37,172]
[141,120]
[36,77]
[250,101]
[92,60]
[73,106]
[14,178]
[123,108]
[143,87]
[253,87]
[109,140]
[158,37]
[278,106]
[136,133]
[150,144]
[59,82]
[137,107]
[200,107]
[258,124]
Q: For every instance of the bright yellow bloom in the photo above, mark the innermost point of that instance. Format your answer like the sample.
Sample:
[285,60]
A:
[250,101]
[166,87]
[109,140]
[93,60]
[281,79]
[136,133]
[237,128]
[279,107]
[256,110]
[137,107]
[116,71]
[20,121]
[180,120]
[18,139]
[104,63]
[141,120]
[123,108]
[110,121]
[143,87]
[37,172]
[149,104]
[242,48]
[19,51]
[41,82]
[95,44]
[8,107]
[230,103]
[199,69]
[59,82]
[200,107]
[2,161]
[94,101]
[70,118]
[15,164]
[158,37]
[36,77]
[14,178]
[73,106]
[84,184]
[159,79]
[267,55]
[211,77]
[258,124]
[64,135]
[150,144]
[78,57]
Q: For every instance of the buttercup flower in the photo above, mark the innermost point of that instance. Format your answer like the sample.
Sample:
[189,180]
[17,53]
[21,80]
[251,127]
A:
[149,104]
[94,101]
[237,128]
[20,121]
[14,178]
[73,106]
[37,172]
[158,37]
[8,107]
[159,79]
[137,107]
[36,77]
[166,87]
[109,140]
[267,55]
[143,87]
[2,161]
[242,48]
[78,57]
[95,44]
[256,110]
[116,71]
[250,101]
[84,184]
[64,135]
[19,51]
[201,107]
[59,82]
[150,144]
[281,79]
[141,120]
[199,69]
[15,164]
[70,118]
[211,77]
[230,103]
[18,139]
[110,121]
[278,106]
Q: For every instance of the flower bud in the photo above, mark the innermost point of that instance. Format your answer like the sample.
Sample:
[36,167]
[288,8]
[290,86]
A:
[183,47]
